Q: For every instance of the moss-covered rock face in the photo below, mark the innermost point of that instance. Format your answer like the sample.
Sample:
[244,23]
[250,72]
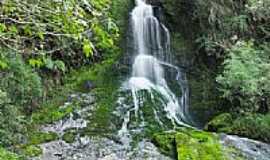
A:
[51,114]
[166,143]
[220,123]
[69,136]
[198,145]
[189,144]
[36,138]
[151,115]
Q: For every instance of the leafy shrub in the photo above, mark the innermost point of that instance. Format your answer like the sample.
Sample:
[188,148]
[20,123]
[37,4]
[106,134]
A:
[255,126]
[20,82]
[10,121]
[245,78]
[6,155]
[223,22]
[74,32]
[220,123]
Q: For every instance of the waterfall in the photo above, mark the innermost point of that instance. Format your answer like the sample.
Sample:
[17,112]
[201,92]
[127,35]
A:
[151,42]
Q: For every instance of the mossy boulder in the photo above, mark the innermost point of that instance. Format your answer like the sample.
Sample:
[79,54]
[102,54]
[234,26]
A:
[220,123]
[36,138]
[191,144]
[166,143]
[69,136]
[198,145]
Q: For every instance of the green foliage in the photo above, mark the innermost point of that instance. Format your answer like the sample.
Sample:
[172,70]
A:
[20,82]
[255,126]
[87,48]
[35,138]
[32,151]
[245,76]
[222,23]
[10,121]
[6,155]
[189,144]
[49,114]
[3,62]
[69,31]
[35,63]
[48,63]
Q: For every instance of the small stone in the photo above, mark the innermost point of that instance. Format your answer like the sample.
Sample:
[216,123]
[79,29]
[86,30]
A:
[88,85]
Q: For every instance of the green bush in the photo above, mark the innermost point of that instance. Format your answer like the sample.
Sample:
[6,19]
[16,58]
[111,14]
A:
[20,82]
[6,155]
[255,126]
[73,32]
[10,122]
[245,78]
[32,151]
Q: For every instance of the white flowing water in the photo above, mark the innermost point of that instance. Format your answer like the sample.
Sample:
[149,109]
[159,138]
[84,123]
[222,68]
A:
[151,41]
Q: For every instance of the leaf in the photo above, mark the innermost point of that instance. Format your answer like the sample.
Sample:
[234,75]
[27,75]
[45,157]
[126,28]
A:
[40,35]
[27,30]
[49,63]
[2,27]
[13,29]
[87,48]
[3,65]
[60,65]
[35,63]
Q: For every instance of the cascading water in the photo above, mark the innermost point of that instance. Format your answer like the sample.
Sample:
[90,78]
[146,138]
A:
[151,42]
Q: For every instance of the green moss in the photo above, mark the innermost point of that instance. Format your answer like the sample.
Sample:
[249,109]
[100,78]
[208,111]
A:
[106,80]
[6,155]
[234,153]
[221,123]
[166,143]
[51,114]
[102,118]
[198,145]
[149,105]
[189,144]
[41,137]
[32,151]
[69,136]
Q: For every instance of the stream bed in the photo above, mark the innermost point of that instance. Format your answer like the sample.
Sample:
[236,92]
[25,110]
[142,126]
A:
[104,148]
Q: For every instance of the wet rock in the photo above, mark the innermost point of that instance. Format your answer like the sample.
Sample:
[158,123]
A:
[99,149]
[250,149]
[89,148]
